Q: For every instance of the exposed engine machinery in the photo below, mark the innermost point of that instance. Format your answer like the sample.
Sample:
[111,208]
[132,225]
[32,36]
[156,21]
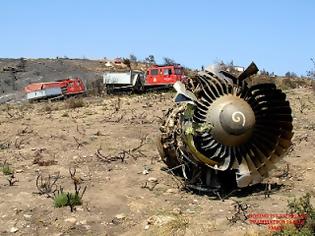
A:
[224,134]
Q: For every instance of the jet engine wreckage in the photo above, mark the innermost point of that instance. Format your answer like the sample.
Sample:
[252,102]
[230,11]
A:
[223,134]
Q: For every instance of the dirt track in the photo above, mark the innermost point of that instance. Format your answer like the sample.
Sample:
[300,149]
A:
[122,197]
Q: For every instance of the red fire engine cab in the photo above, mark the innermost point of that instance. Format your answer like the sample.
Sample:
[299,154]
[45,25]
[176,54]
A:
[164,75]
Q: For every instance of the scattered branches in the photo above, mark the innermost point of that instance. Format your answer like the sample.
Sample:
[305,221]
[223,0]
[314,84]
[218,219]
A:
[122,155]
[12,180]
[302,105]
[79,144]
[10,115]
[39,160]
[25,130]
[62,198]
[113,119]
[285,172]
[77,181]
[18,143]
[118,104]
[149,185]
[47,185]
[240,213]
[159,119]
[99,133]
[4,145]
[79,131]
[74,103]
[139,118]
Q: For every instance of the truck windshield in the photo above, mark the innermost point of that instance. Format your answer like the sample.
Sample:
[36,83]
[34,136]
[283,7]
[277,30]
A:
[178,71]
[154,72]
[167,71]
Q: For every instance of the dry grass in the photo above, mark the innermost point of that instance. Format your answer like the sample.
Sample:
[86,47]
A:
[73,103]
[169,224]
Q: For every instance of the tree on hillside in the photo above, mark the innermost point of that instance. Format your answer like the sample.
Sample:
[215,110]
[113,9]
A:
[150,60]
[169,61]
[264,72]
[126,61]
[311,73]
[132,58]
[290,74]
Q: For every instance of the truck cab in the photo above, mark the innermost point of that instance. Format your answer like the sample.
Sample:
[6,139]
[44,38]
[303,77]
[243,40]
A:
[164,75]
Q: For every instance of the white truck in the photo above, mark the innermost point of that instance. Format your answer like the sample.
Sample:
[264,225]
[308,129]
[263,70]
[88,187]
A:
[130,80]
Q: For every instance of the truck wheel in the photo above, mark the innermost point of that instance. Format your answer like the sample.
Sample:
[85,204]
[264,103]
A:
[109,89]
[138,87]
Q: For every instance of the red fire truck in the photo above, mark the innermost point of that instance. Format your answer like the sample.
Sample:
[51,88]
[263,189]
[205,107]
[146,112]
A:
[156,77]
[61,88]
[164,75]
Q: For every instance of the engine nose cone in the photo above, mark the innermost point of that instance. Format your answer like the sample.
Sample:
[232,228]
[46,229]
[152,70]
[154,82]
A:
[237,117]
[232,119]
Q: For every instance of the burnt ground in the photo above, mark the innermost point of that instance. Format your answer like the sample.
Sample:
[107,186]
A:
[15,74]
[111,142]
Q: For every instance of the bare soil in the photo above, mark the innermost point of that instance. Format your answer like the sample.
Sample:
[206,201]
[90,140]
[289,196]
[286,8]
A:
[111,142]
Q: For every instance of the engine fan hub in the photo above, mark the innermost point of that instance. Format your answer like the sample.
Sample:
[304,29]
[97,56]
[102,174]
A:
[232,119]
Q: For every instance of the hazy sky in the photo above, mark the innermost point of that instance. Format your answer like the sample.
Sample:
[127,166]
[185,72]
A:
[279,35]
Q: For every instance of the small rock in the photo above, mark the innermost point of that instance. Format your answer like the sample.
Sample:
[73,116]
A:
[172,190]
[160,220]
[190,211]
[14,230]
[79,208]
[120,216]
[145,172]
[75,158]
[17,210]
[71,220]
[83,222]
[87,227]
[309,168]
[153,180]
[26,216]
[19,171]
[118,219]
[146,227]
[177,211]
